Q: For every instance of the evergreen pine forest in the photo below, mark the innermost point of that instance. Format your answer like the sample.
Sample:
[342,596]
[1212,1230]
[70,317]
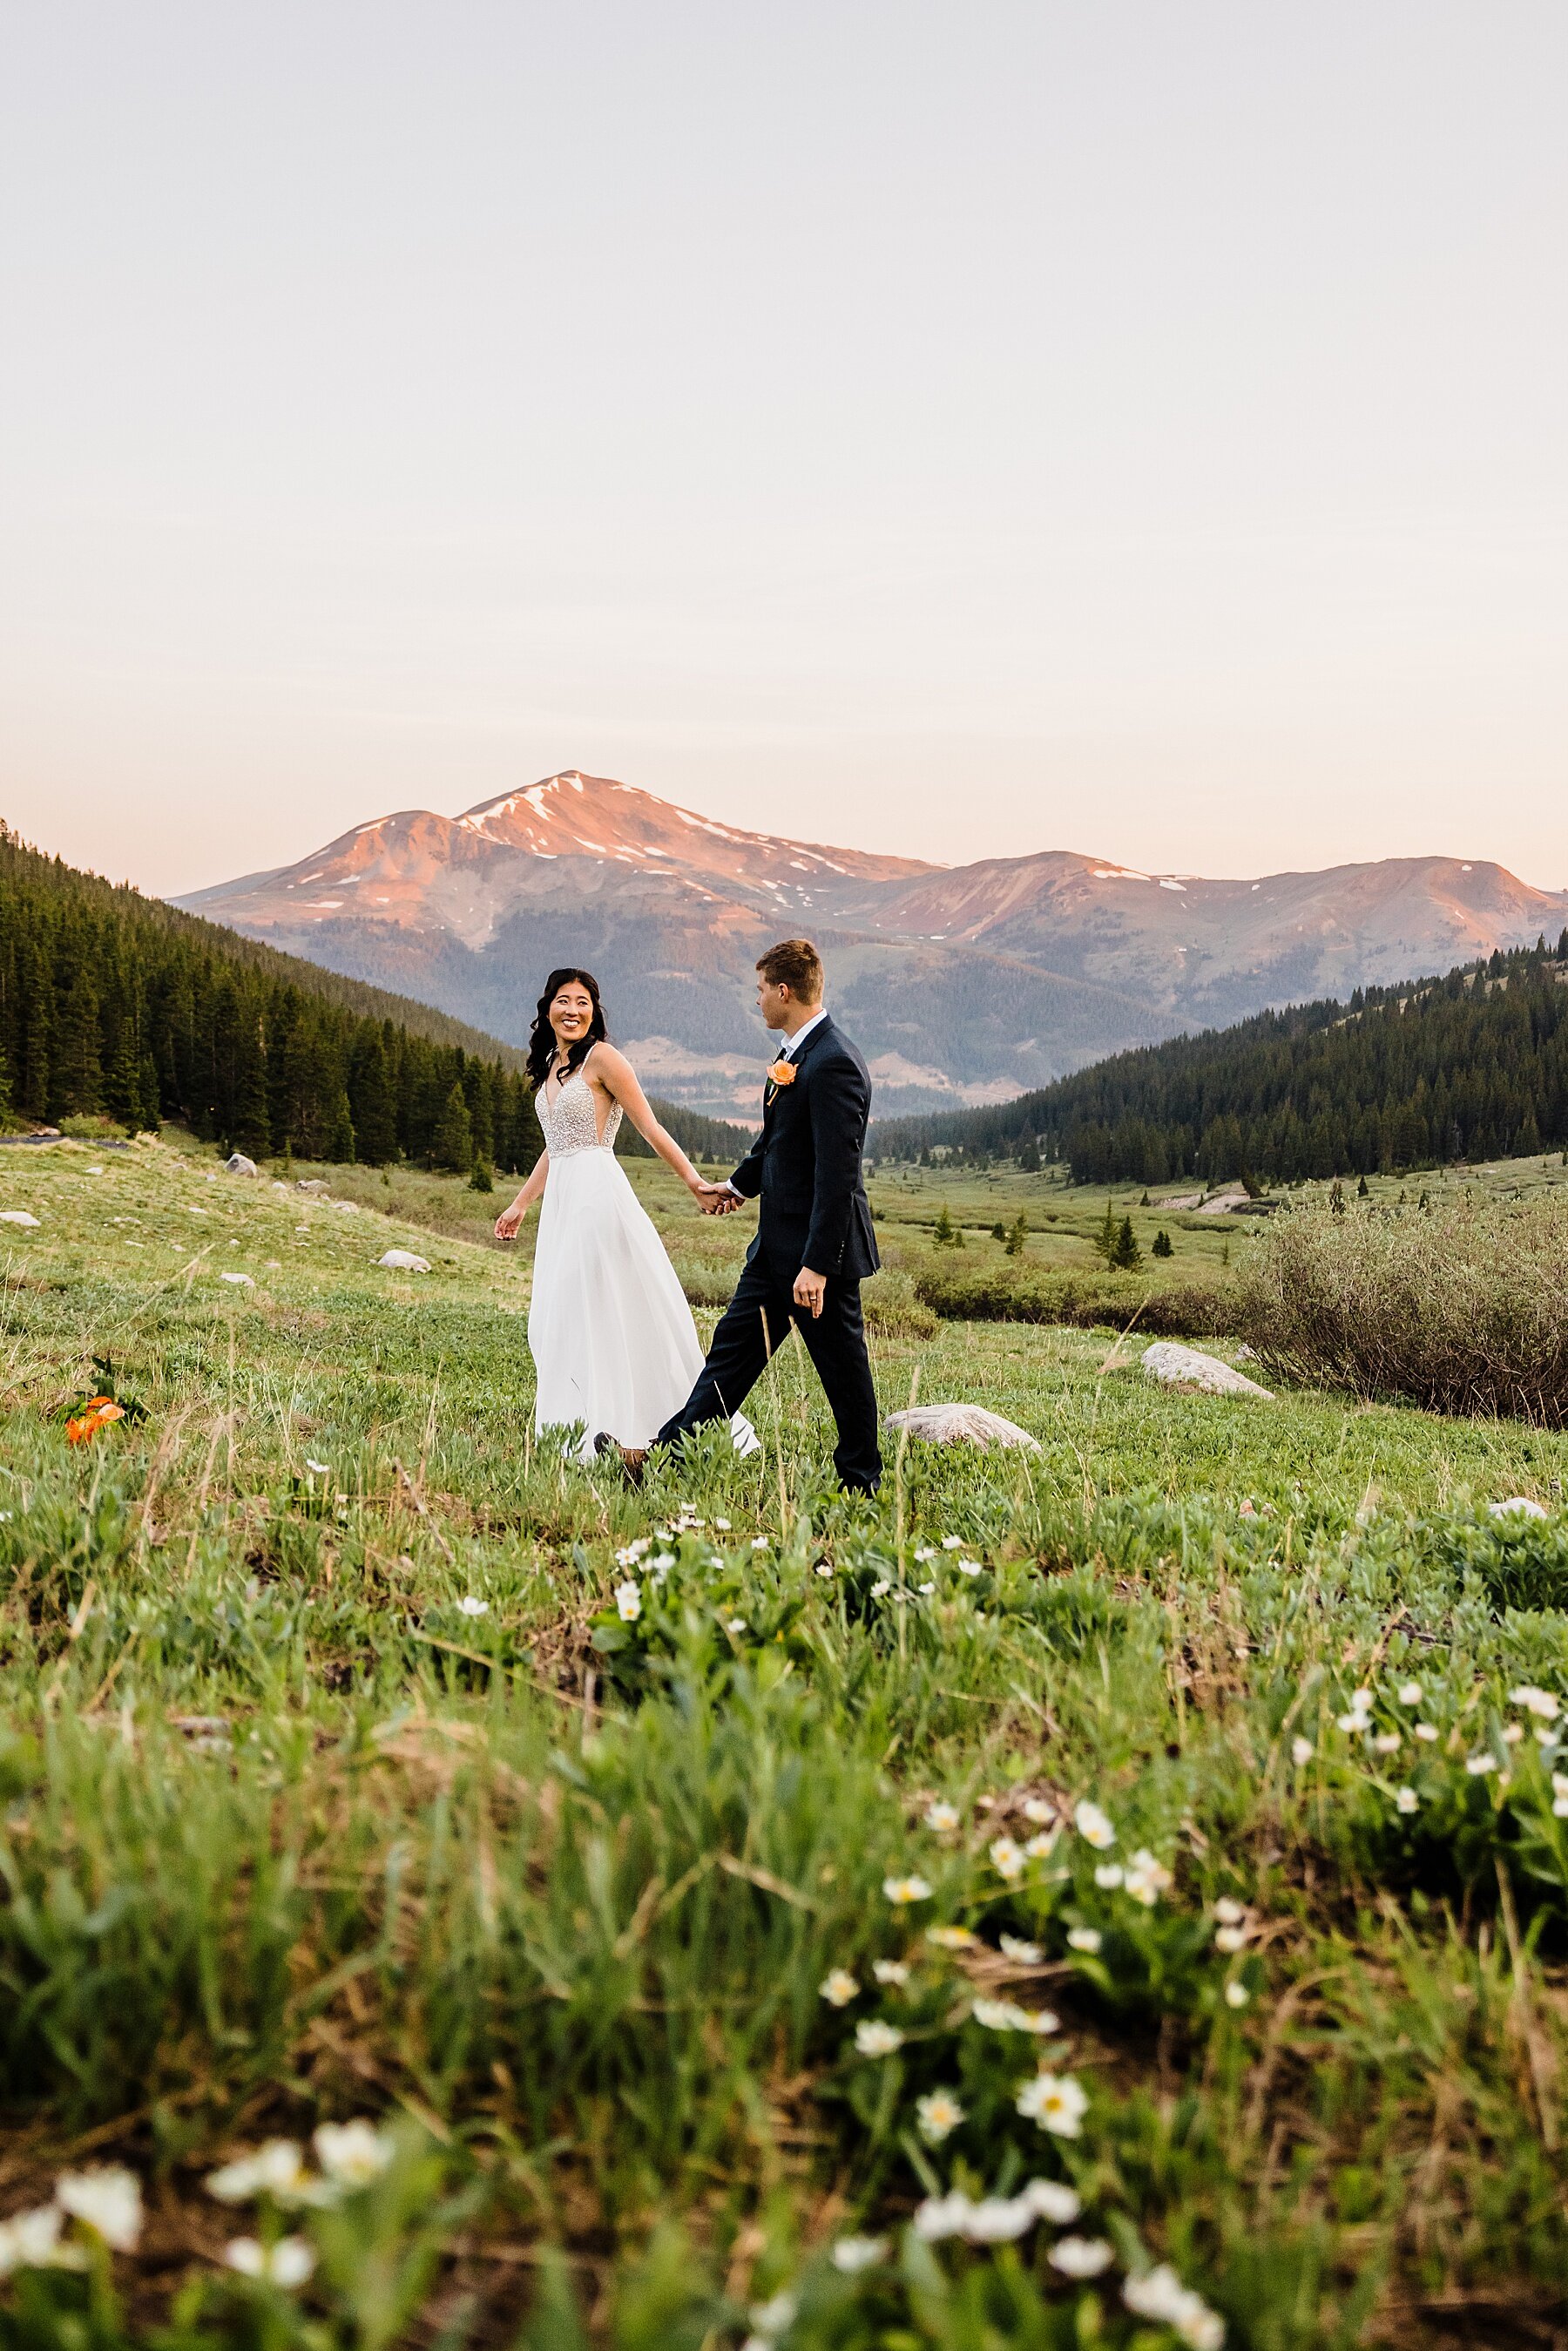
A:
[1469,1067]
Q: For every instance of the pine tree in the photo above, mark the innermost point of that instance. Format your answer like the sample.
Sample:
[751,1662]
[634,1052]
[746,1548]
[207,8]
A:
[1029,1158]
[1127,1256]
[944,1233]
[338,1140]
[1105,1240]
[1161,1246]
[999,1230]
[451,1145]
[483,1176]
[1017,1235]
[372,1101]
[1363,1189]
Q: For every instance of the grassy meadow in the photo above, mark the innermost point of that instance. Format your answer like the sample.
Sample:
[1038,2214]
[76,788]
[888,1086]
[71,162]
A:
[1111,1894]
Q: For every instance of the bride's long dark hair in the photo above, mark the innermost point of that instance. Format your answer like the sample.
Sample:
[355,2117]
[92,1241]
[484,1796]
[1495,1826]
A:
[542,1038]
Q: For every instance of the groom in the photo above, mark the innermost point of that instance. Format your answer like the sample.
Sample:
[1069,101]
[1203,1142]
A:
[815,1244]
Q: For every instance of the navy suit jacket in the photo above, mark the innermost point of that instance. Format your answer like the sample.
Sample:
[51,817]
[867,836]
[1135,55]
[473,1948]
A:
[804,1166]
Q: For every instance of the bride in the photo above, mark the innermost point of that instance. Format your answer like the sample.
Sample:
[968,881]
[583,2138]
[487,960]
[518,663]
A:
[612,1338]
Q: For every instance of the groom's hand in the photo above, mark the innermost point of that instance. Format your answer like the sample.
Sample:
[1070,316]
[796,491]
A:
[717,1199]
[809,1291]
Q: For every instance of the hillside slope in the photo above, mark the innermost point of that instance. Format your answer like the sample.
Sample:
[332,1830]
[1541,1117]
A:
[115,1003]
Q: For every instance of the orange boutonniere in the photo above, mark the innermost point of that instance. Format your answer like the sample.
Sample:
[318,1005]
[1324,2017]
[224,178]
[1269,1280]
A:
[781,1073]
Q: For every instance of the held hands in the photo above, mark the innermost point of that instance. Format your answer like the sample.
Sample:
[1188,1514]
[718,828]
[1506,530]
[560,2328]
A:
[809,1291]
[714,1199]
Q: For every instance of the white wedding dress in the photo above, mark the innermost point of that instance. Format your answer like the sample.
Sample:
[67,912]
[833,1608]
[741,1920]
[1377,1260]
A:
[612,1338]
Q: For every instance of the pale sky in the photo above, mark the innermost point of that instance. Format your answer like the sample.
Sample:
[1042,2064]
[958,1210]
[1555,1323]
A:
[958,429]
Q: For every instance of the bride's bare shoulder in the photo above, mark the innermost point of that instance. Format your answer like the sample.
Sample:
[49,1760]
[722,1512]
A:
[607,1065]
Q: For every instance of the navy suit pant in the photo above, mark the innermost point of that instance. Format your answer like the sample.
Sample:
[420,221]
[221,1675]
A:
[754,1325]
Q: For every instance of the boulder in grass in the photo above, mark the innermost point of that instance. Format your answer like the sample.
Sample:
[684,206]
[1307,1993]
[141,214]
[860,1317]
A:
[1188,1367]
[1518,1506]
[238,1165]
[405,1262]
[17,1217]
[961,1424]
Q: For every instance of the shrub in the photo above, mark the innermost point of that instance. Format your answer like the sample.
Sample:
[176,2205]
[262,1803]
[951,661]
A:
[1015,1293]
[1461,1309]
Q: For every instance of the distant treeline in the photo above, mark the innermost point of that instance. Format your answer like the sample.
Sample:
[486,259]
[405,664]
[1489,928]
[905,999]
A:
[1474,1066]
[116,1005]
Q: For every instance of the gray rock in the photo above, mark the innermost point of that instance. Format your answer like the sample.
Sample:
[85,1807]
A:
[405,1262]
[311,1183]
[239,1166]
[961,1424]
[1188,1367]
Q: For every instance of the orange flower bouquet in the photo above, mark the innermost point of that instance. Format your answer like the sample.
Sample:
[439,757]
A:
[781,1073]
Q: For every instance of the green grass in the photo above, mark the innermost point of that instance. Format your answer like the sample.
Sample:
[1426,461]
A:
[288,1836]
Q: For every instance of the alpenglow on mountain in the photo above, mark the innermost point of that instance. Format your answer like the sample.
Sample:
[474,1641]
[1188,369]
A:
[963,983]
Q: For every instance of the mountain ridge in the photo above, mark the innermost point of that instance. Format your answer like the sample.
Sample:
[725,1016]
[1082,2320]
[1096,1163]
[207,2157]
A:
[965,984]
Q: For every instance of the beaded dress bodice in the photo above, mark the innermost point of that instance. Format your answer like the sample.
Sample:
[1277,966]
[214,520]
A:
[570,1123]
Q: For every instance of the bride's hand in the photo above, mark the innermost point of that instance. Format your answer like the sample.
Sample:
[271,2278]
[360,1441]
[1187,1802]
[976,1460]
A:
[509,1222]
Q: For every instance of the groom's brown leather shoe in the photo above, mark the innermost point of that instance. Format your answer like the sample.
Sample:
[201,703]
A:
[633,1458]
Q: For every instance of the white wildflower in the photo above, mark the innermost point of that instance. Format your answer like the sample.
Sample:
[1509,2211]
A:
[1022,1954]
[1478,1765]
[287,2263]
[1236,1995]
[1230,1939]
[952,1543]
[997,2219]
[942,2216]
[108,2199]
[1159,2294]
[1040,1848]
[853,2254]
[1513,1732]
[1094,1826]
[1108,1875]
[276,2170]
[1406,1800]
[926,1590]
[969,1567]
[353,2153]
[771,2318]
[318,1468]
[1052,2201]
[1056,2102]
[942,1817]
[824,1569]
[903,1890]
[937,2114]
[1007,2016]
[873,2038]
[628,1601]
[890,1971]
[921,1557]
[881,1588]
[1301,1752]
[1535,1701]
[31,2241]
[1147,1879]
[1085,1939]
[1081,2257]
[839,1988]
[1040,1810]
[469,1606]
[735,1624]
[1229,1912]
[1428,1732]
[951,1939]
[1388,1743]
[1410,1693]
[723,1525]
[759,1542]
[1007,1858]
